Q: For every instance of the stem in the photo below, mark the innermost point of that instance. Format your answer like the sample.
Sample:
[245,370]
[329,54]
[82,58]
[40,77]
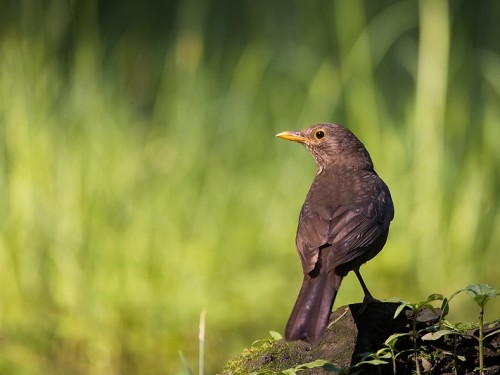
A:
[455,353]
[393,355]
[414,334]
[481,338]
[201,337]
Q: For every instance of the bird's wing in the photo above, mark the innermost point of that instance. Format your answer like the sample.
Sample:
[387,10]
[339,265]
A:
[360,226]
[312,233]
[347,228]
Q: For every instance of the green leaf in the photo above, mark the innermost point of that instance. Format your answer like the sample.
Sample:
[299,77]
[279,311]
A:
[329,366]
[392,339]
[445,308]
[401,308]
[261,341]
[446,323]
[314,364]
[397,300]
[366,355]
[492,333]
[481,293]
[438,334]
[375,362]
[386,355]
[427,303]
[434,297]
[276,336]
[485,289]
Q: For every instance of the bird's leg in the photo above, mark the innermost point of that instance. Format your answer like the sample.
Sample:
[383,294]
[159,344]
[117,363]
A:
[368,296]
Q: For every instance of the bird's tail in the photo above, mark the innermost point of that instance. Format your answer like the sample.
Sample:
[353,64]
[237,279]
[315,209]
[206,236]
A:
[312,309]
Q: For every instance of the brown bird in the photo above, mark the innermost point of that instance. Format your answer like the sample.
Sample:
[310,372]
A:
[343,223]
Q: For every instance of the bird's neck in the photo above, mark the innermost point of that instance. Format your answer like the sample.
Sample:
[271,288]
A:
[342,168]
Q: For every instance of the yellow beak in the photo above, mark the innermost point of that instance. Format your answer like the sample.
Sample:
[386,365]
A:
[292,136]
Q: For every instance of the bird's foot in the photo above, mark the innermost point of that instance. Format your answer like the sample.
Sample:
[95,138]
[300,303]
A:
[366,300]
[369,299]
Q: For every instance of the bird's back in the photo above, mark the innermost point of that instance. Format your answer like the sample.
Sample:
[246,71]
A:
[348,209]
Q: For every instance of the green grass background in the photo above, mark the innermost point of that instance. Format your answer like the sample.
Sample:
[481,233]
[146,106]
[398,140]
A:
[141,182]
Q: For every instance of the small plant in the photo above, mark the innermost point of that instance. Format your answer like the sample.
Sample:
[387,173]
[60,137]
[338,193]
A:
[274,336]
[416,308]
[453,330]
[481,294]
[381,355]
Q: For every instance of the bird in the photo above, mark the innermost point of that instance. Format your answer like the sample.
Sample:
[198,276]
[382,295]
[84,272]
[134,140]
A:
[343,223]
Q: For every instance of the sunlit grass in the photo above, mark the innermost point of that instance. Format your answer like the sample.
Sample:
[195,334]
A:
[118,227]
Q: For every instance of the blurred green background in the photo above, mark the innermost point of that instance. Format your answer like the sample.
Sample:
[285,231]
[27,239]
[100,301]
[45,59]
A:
[141,181]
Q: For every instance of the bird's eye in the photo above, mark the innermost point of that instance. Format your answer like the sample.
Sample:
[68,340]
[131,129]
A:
[319,134]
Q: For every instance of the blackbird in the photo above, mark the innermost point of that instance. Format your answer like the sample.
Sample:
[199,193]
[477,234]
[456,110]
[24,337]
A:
[343,223]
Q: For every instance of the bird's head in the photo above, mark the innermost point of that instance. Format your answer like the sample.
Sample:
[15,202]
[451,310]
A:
[331,145]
